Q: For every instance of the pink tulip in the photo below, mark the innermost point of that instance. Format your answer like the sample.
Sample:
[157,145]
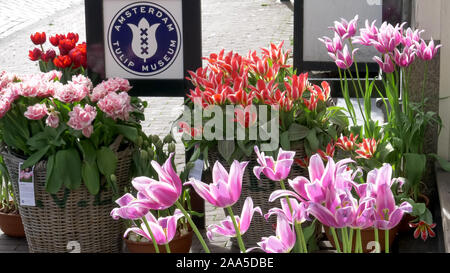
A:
[344,59]
[299,209]
[225,189]
[346,29]
[365,214]
[339,211]
[322,181]
[332,45]
[405,58]
[387,214]
[387,65]
[375,179]
[36,112]
[129,208]
[412,38]
[162,194]
[274,170]
[164,228]
[367,35]
[388,38]
[226,227]
[427,52]
[282,242]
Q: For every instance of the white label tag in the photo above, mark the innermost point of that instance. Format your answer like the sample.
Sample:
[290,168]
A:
[197,171]
[26,186]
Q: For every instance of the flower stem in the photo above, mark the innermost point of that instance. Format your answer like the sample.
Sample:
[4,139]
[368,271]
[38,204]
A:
[350,241]
[300,242]
[155,245]
[238,233]
[358,241]
[376,237]
[167,248]
[344,240]
[386,241]
[336,241]
[193,226]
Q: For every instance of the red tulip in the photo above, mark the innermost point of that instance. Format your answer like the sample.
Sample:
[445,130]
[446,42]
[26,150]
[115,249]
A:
[78,58]
[73,36]
[367,148]
[35,54]
[38,38]
[423,229]
[346,143]
[329,151]
[54,40]
[65,46]
[49,55]
[62,61]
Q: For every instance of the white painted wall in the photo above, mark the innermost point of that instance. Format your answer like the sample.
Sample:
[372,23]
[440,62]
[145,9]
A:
[444,88]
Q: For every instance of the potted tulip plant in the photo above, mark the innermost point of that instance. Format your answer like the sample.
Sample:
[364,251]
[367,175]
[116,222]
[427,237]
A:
[152,149]
[399,141]
[79,138]
[155,211]
[10,221]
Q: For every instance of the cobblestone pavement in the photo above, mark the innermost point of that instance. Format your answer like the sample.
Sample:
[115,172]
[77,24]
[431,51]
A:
[233,25]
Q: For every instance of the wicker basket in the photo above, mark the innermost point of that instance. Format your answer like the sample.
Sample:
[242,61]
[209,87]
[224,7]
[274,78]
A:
[259,191]
[71,216]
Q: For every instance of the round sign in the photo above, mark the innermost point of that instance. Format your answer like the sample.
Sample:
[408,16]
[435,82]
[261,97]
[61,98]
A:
[144,38]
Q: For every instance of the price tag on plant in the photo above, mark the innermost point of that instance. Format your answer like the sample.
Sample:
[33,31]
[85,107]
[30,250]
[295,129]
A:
[197,171]
[26,186]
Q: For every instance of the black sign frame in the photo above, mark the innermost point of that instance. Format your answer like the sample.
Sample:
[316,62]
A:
[192,47]
[387,14]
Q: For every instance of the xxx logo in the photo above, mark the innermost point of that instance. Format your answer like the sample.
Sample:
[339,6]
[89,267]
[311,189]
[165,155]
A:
[144,38]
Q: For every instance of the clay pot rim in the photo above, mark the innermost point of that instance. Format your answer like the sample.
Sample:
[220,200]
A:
[176,238]
[14,214]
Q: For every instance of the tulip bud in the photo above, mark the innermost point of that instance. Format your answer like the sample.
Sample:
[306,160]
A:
[151,153]
[113,178]
[140,140]
[144,155]
[171,147]
[159,144]
[168,139]
[155,139]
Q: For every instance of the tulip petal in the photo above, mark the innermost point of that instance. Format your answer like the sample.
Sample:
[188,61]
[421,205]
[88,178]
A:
[283,193]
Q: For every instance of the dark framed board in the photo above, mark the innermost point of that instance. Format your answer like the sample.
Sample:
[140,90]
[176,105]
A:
[313,17]
[151,43]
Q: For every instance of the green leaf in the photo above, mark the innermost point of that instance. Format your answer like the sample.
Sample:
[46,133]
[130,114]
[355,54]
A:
[418,209]
[106,161]
[131,133]
[414,168]
[284,141]
[88,149]
[445,165]
[68,168]
[312,140]
[34,158]
[91,176]
[52,184]
[226,148]
[297,132]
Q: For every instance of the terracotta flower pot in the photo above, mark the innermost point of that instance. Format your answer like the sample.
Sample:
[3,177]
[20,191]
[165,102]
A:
[11,224]
[404,223]
[179,244]
[367,236]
